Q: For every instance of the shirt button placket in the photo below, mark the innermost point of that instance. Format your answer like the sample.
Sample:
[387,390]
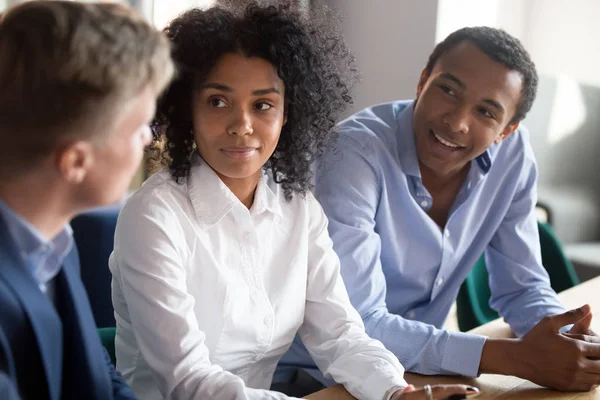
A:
[446,248]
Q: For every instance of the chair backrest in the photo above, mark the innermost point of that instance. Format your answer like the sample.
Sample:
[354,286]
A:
[107,337]
[94,233]
[473,298]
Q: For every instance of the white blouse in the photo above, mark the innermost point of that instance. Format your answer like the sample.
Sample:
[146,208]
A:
[208,295]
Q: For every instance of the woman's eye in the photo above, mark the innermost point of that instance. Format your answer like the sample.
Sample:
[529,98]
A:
[263,106]
[218,103]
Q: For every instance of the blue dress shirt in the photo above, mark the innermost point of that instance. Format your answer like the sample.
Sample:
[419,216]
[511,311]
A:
[43,257]
[403,271]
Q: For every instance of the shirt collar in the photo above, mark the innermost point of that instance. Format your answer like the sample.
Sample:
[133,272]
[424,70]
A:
[212,199]
[265,199]
[33,246]
[27,238]
[408,152]
[484,162]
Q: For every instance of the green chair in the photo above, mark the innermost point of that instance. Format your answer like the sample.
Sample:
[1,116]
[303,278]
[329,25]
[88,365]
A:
[474,295]
[107,337]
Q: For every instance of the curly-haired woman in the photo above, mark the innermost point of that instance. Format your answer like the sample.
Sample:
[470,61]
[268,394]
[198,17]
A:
[222,257]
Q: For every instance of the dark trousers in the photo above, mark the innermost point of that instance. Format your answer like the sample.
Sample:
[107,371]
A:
[301,384]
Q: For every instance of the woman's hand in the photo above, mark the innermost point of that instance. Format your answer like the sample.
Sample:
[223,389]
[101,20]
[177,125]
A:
[436,392]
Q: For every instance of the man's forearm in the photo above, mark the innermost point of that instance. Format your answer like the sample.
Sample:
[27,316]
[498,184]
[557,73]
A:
[502,356]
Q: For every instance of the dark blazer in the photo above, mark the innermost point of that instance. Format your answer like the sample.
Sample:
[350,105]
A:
[47,351]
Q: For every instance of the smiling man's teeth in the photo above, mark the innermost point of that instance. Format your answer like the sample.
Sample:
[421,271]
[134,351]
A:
[445,142]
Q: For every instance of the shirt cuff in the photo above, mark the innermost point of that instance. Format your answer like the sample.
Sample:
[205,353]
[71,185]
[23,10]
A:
[462,354]
[381,380]
[390,392]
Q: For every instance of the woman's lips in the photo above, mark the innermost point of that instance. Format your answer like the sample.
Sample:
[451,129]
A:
[239,153]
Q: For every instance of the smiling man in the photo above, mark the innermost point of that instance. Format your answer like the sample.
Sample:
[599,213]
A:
[415,192]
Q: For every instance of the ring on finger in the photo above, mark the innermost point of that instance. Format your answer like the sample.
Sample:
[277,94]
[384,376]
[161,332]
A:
[428,392]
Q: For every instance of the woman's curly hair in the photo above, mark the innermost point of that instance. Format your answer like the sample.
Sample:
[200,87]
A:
[309,55]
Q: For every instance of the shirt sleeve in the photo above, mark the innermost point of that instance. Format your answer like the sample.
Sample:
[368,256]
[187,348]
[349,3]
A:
[333,331]
[150,256]
[520,286]
[348,187]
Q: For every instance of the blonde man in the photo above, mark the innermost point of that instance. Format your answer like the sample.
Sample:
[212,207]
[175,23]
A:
[78,86]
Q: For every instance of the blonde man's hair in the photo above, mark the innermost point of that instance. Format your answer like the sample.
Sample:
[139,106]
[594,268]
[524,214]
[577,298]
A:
[66,68]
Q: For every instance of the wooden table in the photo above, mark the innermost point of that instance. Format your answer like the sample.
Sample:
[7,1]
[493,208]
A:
[498,386]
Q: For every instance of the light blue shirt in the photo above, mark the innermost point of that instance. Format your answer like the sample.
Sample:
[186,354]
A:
[42,257]
[403,271]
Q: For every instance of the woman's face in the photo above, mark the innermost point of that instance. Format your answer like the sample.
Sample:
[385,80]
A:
[238,113]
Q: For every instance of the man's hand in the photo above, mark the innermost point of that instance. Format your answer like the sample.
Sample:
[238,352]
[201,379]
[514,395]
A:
[582,330]
[547,357]
[583,326]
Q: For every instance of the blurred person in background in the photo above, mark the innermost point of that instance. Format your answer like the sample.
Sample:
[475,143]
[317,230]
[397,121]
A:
[78,87]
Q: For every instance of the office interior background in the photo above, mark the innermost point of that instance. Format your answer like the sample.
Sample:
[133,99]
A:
[392,39]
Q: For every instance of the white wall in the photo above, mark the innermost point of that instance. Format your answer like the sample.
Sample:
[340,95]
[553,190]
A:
[563,38]
[510,15]
[391,40]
